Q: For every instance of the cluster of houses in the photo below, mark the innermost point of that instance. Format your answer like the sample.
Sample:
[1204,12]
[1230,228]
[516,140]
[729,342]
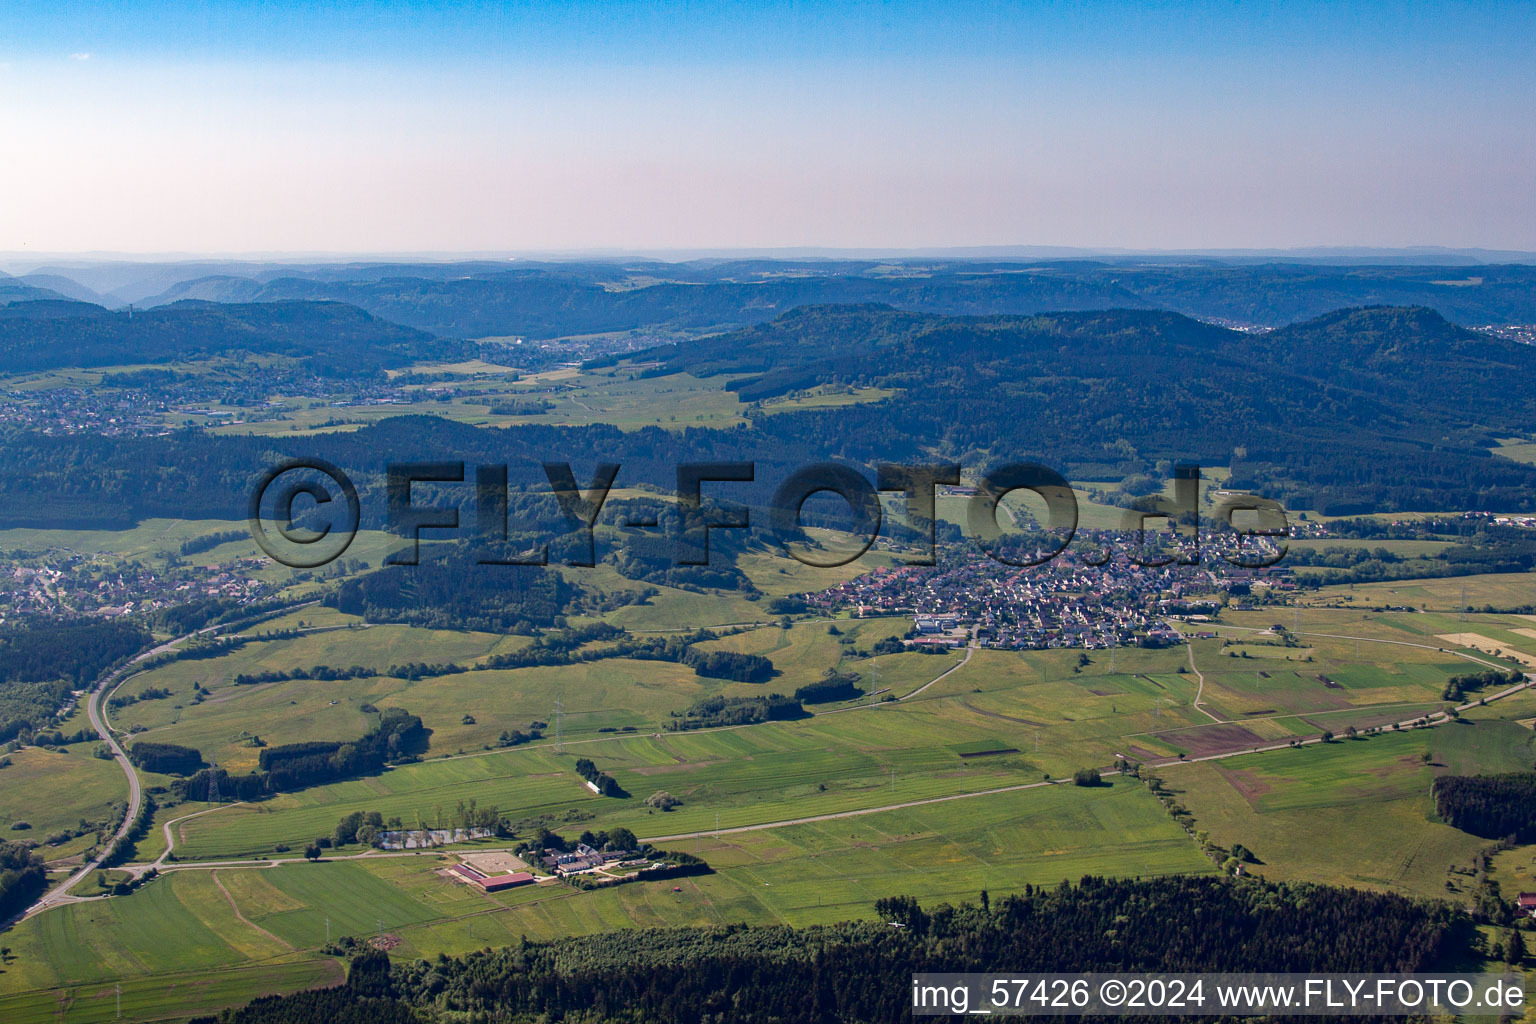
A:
[1527,522]
[60,411]
[1015,608]
[64,583]
[583,858]
[1061,604]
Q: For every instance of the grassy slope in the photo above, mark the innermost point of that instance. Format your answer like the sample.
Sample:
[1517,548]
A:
[52,790]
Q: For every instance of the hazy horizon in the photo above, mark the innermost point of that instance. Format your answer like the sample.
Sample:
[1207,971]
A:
[392,128]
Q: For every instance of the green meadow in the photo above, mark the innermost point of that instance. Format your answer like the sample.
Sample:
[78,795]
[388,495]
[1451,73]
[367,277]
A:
[1357,812]
[259,929]
[1060,710]
[940,793]
[54,789]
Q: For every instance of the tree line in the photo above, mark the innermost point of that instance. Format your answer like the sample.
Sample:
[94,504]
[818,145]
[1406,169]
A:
[861,971]
[1491,806]
[711,712]
[397,736]
[1457,687]
[604,783]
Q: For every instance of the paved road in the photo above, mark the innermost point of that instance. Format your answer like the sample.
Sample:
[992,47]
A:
[93,708]
[856,812]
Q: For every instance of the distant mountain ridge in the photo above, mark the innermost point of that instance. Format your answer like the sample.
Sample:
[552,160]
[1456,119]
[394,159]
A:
[551,300]
[14,289]
[64,286]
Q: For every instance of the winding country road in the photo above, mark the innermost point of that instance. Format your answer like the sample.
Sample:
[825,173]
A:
[93,709]
[1199,690]
[94,701]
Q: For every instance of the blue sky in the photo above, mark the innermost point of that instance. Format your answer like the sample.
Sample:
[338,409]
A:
[235,127]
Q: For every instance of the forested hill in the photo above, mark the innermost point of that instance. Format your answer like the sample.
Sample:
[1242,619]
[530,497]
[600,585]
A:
[13,290]
[1360,410]
[551,300]
[332,336]
[819,343]
[1410,362]
[1370,410]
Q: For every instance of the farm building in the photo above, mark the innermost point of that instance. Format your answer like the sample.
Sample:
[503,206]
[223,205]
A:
[585,858]
[1527,902]
[490,883]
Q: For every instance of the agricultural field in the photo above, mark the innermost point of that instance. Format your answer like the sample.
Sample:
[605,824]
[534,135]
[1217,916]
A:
[804,651]
[827,397]
[263,926]
[1518,448]
[1062,709]
[938,785]
[1357,812]
[1058,710]
[1446,594]
[597,695]
[151,539]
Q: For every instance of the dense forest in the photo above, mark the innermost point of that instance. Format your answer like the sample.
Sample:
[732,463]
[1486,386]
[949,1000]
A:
[458,593]
[1491,806]
[76,650]
[720,710]
[741,668]
[1318,414]
[166,758]
[42,660]
[861,971]
[833,685]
